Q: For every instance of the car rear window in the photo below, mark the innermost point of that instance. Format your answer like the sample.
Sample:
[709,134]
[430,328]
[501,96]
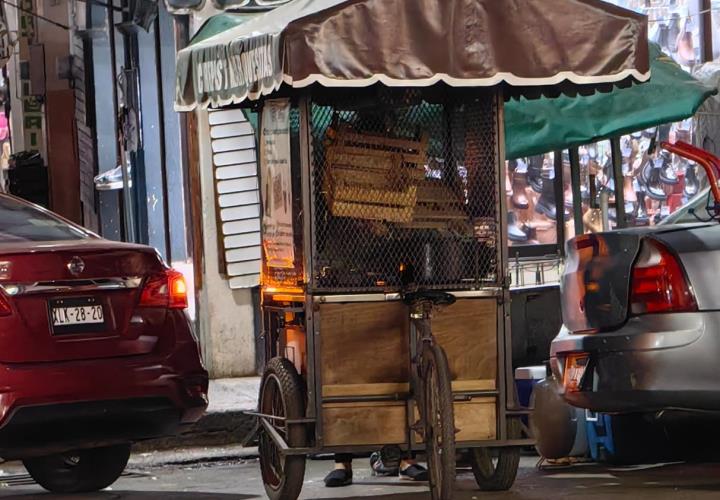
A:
[21,222]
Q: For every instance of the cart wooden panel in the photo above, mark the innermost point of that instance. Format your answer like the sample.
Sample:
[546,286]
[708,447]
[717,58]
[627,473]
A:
[365,352]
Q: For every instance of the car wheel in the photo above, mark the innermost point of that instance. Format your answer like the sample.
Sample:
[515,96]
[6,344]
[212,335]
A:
[79,471]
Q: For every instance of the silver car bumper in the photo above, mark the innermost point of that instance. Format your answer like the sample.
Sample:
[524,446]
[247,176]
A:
[654,362]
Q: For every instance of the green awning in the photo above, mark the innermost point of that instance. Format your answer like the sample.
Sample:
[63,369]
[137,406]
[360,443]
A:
[218,24]
[543,125]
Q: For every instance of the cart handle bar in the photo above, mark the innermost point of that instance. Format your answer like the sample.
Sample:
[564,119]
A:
[706,160]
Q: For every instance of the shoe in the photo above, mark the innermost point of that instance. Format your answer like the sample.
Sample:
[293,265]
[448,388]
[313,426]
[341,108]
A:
[646,171]
[515,232]
[519,185]
[668,175]
[654,188]
[534,173]
[414,473]
[382,467]
[338,478]
[546,203]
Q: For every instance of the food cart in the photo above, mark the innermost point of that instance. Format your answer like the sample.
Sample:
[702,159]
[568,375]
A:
[385,297]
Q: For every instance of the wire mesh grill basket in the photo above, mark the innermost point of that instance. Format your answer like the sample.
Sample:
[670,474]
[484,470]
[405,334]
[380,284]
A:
[407,179]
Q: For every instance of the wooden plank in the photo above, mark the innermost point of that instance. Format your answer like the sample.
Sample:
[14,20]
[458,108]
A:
[432,192]
[242,240]
[231,130]
[234,157]
[337,155]
[364,343]
[474,385]
[233,143]
[476,420]
[222,116]
[366,424]
[237,199]
[371,212]
[385,197]
[241,226]
[467,330]
[342,174]
[244,254]
[425,212]
[414,158]
[346,135]
[336,390]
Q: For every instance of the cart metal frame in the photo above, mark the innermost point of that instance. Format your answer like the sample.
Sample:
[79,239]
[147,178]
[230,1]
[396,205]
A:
[507,406]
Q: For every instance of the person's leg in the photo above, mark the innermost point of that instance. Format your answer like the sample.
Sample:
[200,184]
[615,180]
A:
[342,474]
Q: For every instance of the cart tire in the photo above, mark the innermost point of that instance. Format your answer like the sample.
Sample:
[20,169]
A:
[439,417]
[500,475]
[281,395]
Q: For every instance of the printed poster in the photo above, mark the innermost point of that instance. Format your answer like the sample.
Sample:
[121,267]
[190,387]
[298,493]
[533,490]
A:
[276,184]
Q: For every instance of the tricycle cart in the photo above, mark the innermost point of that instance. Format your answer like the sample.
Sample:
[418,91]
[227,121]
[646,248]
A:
[384,267]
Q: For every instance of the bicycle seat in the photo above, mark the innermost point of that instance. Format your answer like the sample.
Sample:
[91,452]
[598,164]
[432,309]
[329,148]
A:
[437,297]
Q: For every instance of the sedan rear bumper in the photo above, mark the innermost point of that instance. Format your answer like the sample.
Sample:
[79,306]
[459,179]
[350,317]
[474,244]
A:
[653,363]
[52,407]
[47,429]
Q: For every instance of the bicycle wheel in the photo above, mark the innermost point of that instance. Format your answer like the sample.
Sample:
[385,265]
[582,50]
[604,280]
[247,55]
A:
[439,420]
[495,469]
[281,395]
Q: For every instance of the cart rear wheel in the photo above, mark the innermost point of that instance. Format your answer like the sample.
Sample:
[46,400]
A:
[281,395]
[495,469]
[439,419]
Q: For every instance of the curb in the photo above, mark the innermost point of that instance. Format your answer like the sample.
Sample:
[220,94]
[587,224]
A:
[213,429]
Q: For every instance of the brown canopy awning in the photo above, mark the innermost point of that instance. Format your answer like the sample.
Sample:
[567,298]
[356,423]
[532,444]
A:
[406,43]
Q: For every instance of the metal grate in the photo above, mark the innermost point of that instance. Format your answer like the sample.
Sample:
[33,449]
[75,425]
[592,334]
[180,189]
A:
[413,181]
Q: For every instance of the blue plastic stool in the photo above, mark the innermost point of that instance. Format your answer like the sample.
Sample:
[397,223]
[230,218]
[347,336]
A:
[600,436]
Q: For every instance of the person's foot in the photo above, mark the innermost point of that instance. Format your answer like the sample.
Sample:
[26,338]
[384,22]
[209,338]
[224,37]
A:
[338,478]
[414,472]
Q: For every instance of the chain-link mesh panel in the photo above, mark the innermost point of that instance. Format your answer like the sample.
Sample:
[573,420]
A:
[405,182]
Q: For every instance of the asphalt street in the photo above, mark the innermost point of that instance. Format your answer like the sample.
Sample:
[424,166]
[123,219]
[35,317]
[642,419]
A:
[240,479]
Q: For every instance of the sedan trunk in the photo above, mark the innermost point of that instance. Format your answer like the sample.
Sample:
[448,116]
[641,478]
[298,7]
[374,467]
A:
[596,280]
[76,300]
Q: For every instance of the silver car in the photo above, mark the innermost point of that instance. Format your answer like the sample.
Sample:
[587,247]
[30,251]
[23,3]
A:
[641,312]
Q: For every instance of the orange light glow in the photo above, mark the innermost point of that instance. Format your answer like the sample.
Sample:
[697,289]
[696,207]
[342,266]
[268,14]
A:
[288,298]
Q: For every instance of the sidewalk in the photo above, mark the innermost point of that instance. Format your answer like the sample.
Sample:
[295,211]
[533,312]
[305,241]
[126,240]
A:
[223,424]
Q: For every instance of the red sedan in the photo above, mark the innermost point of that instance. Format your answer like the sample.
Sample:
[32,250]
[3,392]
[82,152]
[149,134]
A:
[96,350]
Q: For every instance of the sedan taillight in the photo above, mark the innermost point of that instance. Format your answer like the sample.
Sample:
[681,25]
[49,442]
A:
[658,282]
[167,289]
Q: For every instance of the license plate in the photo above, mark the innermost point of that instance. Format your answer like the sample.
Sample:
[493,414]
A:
[575,367]
[76,315]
